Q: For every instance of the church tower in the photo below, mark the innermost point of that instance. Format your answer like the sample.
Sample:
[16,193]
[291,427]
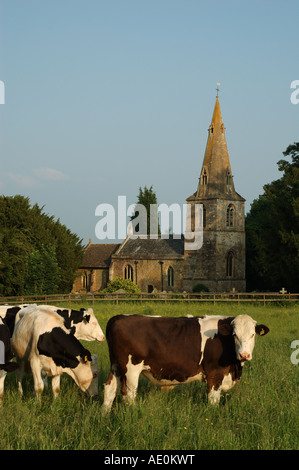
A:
[220,263]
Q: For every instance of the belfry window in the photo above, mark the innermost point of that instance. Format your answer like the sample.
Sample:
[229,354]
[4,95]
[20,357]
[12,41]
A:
[204,177]
[129,272]
[230,264]
[230,216]
[228,178]
[170,276]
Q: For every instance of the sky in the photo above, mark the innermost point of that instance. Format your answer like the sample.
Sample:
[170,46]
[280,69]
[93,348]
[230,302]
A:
[105,96]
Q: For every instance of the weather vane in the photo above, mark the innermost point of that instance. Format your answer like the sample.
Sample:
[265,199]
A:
[217,89]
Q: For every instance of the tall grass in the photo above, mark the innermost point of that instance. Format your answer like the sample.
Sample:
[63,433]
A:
[261,412]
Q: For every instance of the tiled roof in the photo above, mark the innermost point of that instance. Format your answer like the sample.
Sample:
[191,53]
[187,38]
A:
[98,255]
[147,248]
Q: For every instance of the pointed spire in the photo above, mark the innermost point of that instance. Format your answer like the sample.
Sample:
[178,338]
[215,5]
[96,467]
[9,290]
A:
[216,176]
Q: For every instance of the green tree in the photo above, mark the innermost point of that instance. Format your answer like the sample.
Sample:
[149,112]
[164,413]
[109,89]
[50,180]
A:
[272,231]
[119,283]
[42,275]
[26,229]
[147,198]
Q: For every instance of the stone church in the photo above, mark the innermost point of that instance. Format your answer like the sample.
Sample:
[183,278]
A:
[166,264]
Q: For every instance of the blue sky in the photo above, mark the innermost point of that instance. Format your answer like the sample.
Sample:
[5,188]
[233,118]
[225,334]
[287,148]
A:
[105,96]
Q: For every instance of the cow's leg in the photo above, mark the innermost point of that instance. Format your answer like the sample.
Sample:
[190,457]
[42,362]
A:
[3,374]
[132,378]
[214,396]
[214,389]
[56,385]
[37,377]
[110,390]
[20,375]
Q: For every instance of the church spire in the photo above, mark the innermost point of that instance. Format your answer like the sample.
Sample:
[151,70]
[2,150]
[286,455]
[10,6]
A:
[216,176]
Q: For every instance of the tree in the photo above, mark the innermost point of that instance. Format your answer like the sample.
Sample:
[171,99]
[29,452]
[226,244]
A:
[27,234]
[142,224]
[272,230]
[42,274]
[119,283]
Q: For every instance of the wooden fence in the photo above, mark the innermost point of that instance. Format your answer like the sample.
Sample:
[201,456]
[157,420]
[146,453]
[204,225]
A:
[116,298]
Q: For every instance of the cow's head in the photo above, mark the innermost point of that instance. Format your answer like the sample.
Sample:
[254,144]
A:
[89,329]
[243,329]
[89,370]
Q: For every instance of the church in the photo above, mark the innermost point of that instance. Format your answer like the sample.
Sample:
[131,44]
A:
[161,264]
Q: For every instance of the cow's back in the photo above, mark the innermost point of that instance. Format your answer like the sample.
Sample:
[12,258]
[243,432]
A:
[29,327]
[169,346]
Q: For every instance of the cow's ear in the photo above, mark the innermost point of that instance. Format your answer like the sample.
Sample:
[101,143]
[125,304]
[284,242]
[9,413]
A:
[261,330]
[85,356]
[225,329]
[86,318]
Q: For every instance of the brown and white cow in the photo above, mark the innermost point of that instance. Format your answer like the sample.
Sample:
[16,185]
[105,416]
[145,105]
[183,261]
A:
[172,351]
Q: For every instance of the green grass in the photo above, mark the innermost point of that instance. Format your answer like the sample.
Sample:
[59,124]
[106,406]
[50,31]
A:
[261,412]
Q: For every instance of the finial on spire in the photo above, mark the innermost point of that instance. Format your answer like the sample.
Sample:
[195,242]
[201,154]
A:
[217,89]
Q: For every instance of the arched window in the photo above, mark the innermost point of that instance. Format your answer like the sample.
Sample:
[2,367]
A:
[230,216]
[129,273]
[170,276]
[204,177]
[86,280]
[230,262]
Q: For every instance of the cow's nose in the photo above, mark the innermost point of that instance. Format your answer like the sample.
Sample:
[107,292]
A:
[244,356]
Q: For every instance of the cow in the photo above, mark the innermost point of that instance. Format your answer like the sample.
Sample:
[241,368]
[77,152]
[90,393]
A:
[170,351]
[41,341]
[5,356]
[10,314]
[82,323]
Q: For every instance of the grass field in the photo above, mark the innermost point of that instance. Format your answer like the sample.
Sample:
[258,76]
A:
[261,412]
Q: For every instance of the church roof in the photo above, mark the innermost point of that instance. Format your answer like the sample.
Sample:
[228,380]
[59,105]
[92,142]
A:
[98,255]
[216,179]
[148,248]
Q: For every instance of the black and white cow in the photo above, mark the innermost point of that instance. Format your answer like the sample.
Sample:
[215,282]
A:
[5,356]
[81,323]
[10,314]
[41,340]
[172,351]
